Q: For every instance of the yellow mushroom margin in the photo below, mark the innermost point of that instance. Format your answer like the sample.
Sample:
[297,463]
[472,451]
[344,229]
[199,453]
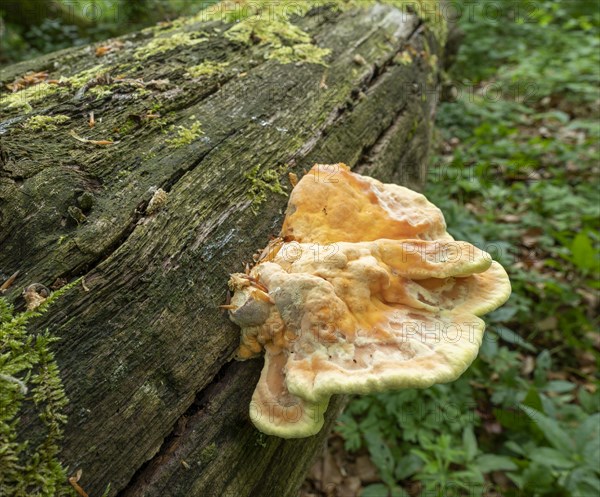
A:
[364,292]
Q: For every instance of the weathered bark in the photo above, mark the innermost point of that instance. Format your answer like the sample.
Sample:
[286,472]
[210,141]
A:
[157,406]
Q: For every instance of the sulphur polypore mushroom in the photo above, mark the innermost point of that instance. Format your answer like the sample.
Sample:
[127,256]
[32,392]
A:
[365,291]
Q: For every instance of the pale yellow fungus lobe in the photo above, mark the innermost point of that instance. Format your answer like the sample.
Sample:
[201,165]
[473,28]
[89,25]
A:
[364,291]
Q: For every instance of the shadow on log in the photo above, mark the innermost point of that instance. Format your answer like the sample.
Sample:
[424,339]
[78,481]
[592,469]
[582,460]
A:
[157,406]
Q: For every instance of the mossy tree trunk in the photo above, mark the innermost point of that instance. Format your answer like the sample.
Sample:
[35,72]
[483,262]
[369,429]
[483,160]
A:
[157,406]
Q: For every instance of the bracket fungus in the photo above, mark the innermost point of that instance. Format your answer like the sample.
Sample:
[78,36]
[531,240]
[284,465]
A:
[364,291]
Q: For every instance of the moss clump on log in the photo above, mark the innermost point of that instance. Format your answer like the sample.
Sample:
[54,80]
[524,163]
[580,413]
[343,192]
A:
[45,123]
[263,182]
[184,135]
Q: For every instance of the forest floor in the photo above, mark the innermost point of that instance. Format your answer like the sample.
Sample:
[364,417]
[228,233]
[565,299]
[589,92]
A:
[516,172]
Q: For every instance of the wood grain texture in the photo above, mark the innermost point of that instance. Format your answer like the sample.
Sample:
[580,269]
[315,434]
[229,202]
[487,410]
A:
[157,406]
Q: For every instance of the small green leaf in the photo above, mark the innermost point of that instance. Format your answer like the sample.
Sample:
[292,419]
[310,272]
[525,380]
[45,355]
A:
[375,490]
[583,253]
[560,386]
[503,314]
[381,455]
[492,462]
[515,447]
[557,437]
[588,431]
[551,457]
[469,443]
[539,477]
[590,402]
[407,466]
[509,336]
[399,492]
[533,399]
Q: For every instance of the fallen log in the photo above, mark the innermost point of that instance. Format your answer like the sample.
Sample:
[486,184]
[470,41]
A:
[153,166]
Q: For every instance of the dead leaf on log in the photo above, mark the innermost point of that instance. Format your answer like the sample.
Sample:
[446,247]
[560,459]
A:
[114,46]
[29,79]
[73,481]
[7,284]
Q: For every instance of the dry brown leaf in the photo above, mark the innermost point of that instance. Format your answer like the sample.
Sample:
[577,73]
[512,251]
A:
[29,79]
[547,324]
[531,237]
[114,46]
[510,218]
[7,284]
[58,283]
[350,487]
[366,470]
[73,481]
[331,470]
[528,365]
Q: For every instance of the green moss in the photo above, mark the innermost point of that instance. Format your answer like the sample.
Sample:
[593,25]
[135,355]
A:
[267,30]
[24,99]
[162,121]
[29,374]
[99,91]
[206,69]
[302,52]
[128,127]
[267,24]
[184,136]
[142,92]
[413,129]
[160,44]
[81,78]
[270,26]
[263,182]
[45,123]
[403,58]
[238,11]
[208,453]
[159,122]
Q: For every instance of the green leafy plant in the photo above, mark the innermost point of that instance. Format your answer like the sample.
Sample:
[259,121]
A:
[29,376]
